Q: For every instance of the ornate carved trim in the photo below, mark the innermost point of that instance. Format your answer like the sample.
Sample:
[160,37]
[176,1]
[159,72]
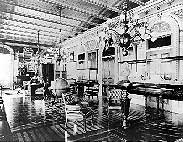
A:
[169,2]
[178,13]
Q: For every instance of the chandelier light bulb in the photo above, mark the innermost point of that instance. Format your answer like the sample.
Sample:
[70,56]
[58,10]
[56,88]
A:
[153,39]
[64,56]
[122,17]
[104,25]
[147,36]
[108,21]
[49,50]
[47,54]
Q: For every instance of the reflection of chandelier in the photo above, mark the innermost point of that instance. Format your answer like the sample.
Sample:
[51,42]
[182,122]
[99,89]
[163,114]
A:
[126,29]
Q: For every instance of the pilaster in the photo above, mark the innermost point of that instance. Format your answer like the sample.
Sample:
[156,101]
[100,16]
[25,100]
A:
[116,70]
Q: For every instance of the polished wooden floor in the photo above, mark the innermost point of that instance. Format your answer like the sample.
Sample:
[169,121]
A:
[34,119]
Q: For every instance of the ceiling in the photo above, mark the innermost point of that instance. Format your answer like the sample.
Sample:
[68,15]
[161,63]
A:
[46,22]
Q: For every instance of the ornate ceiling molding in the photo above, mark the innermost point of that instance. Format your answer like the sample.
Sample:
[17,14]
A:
[169,2]
[149,5]
[178,13]
[22,13]
[103,5]
[26,17]
[33,23]
[46,9]
[138,2]
[74,8]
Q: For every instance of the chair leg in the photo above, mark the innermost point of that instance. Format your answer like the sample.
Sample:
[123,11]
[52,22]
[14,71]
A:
[66,131]
[74,129]
[85,125]
[65,136]
[92,120]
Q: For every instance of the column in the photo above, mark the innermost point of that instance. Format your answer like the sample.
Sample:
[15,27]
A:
[181,54]
[55,68]
[101,45]
[116,70]
[12,70]
[100,69]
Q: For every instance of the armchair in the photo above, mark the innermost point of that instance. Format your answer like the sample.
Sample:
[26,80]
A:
[73,112]
[118,100]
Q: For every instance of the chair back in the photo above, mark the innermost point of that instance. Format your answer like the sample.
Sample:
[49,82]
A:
[115,96]
[70,103]
[70,99]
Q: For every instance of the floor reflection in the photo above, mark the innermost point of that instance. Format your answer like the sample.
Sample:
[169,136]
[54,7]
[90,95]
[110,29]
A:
[23,110]
[34,115]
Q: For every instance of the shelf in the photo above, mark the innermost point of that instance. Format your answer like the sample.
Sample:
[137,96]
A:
[134,61]
[82,69]
[81,61]
[92,68]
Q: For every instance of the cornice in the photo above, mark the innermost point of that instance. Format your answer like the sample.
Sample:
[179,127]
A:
[149,5]
[178,13]
[159,7]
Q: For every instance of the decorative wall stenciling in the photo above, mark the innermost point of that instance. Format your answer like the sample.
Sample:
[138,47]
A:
[90,45]
[124,71]
[161,27]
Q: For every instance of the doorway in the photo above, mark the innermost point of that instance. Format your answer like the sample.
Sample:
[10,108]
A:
[5,72]
[48,72]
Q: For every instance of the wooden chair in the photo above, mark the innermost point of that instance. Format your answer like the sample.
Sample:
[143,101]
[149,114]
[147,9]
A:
[72,85]
[73,113]
[118,100]
[114,97]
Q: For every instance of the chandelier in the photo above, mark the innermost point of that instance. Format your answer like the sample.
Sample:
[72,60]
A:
[59,57]
[127,29]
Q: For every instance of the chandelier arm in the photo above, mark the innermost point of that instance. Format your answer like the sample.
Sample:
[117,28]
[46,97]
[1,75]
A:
[141,38]
[146,33]
[114,31]
[132,29]
[132,39]
[116,34]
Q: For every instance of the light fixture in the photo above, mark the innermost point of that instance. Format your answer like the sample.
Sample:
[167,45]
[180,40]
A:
[38,43]
[60,39]
[127,29]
